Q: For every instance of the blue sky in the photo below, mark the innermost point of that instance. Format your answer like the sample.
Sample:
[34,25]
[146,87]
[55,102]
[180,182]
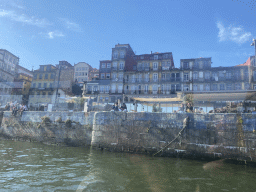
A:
[45,32]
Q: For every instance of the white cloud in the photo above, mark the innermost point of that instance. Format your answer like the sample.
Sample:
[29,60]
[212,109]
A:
[71,25]
[53,34]
[231,33]
[22,18]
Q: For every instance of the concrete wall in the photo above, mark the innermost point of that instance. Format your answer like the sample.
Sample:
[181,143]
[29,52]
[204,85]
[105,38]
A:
[207,135]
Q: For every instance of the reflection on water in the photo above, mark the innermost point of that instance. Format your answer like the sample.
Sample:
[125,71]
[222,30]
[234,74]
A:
[37,167]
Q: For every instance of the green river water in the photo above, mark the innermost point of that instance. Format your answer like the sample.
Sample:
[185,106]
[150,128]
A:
[28,167]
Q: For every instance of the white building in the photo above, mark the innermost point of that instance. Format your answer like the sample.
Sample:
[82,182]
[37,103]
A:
[82,72]
[8,69]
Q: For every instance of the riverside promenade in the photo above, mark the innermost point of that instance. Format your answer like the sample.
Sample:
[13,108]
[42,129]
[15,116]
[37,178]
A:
[225,135]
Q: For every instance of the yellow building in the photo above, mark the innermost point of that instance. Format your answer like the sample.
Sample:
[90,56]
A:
[42,86]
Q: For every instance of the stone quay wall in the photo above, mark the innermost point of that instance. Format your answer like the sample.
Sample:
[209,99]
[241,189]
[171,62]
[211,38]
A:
[62,128]
[203,135]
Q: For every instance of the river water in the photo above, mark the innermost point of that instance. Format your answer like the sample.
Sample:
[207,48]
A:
[28,167]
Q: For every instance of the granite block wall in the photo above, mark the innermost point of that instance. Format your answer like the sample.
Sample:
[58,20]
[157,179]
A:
[207,135]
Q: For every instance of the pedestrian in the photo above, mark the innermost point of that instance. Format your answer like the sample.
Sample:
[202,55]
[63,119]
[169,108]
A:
[116,107]
[124,108]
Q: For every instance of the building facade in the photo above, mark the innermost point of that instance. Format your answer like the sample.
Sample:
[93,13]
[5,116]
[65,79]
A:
[154,75]
[8,70]
[23,80]
[82,72]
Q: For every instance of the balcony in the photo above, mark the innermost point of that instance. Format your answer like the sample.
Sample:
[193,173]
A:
[147,68]
[165,68]
[175,79]
[165,79]
[114,68]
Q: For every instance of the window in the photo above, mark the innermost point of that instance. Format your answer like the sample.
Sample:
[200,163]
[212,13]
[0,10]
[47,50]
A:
[48,68]
[108,65]
[185,76]
[107,75]
[207,87]
[83,68]
[194,87]
[201,74]
[120,88]
[121,54]
[195,75]
[163,76]
[228,75]
[107,88]
[215,76]
[185,88]
[155,77]
[120,76]
[155,89]
[201,87]
[134,67]
[40,76]
[46,76]
[215,87]
[155,57]
[146,88]
[43,94]
[221,74]
[39,85]
[35,76]
[133,78]
[115,55]
[34,85]
[147,77]
[102,75]
[155,66]
[237,75]
[106,99]
[45,85]
[95,88]
[238,86]
[229,86]
[196,65]
[222,87]
[103,65]
[140,77]
[52,76]
[121,66]
[51,85]
[101,89]
[115,65]
[113,88]
[114,76]
[185,65]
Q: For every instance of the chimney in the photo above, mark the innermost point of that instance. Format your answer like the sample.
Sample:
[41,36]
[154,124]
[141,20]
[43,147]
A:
[151,52]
